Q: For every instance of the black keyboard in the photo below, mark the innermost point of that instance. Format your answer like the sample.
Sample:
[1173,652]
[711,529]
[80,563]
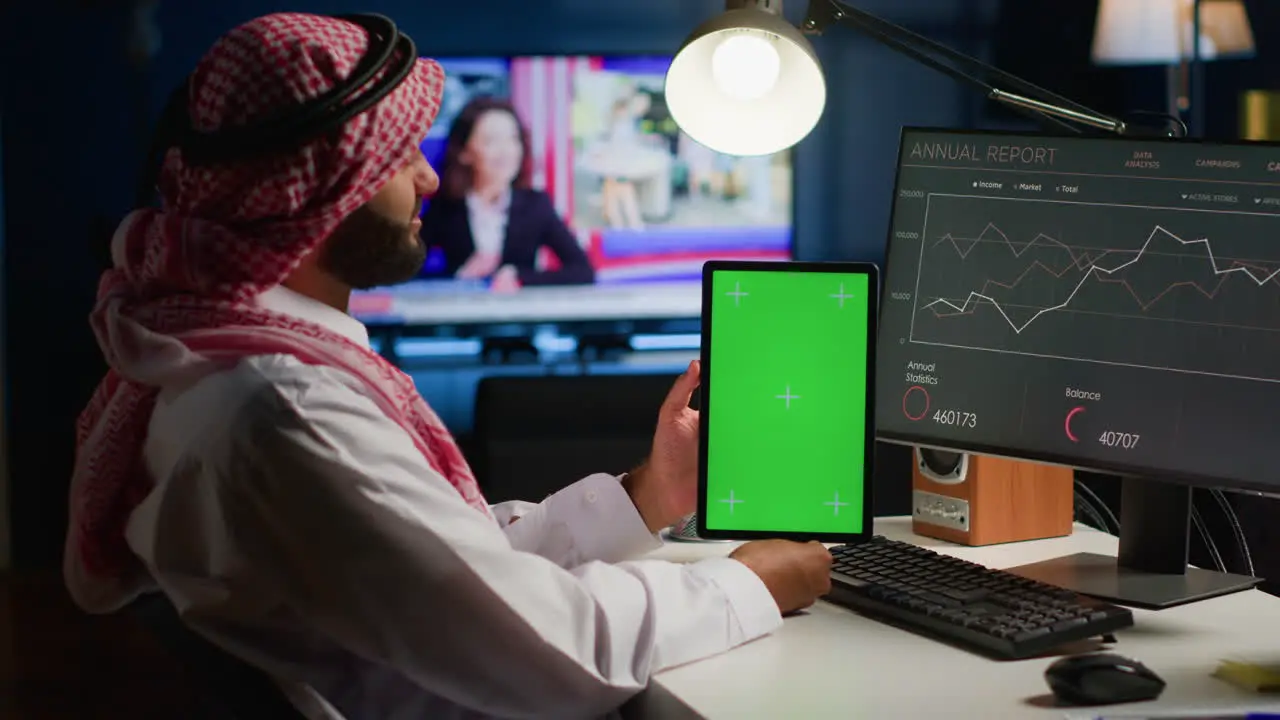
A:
[993,612]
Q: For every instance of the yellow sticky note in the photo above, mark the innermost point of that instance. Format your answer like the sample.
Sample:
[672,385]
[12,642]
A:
[1257,678]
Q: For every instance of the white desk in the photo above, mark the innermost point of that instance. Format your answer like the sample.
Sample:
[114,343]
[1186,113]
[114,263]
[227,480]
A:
[834,663]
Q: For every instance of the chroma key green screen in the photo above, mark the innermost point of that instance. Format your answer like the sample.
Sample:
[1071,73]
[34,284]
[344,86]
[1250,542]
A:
[788,411]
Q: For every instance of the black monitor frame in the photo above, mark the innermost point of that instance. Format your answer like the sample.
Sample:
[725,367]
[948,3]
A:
[1152,569]
[867,471]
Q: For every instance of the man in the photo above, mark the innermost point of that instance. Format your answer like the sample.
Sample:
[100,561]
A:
[292,494]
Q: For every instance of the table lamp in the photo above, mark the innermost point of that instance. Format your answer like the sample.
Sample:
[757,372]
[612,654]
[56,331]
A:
[747,82]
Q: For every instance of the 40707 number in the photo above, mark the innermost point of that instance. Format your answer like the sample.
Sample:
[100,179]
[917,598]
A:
[1123,440]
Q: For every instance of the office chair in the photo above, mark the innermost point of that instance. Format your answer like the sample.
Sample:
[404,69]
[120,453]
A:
[535,435]
[229,688]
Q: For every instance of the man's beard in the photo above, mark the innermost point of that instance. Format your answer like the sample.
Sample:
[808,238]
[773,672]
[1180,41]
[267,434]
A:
[371,250]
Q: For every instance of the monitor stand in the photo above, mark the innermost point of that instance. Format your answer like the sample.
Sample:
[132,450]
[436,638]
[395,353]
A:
[1151,571]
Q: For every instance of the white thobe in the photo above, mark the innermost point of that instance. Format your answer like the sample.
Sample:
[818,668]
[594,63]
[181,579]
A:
[296,526]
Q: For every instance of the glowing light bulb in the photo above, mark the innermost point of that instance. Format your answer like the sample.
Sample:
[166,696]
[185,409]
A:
[745,66]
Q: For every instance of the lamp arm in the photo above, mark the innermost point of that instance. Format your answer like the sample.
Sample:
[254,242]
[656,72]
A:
[1055,108]
[1015,83]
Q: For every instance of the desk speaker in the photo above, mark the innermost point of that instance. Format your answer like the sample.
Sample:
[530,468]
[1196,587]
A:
[984,500]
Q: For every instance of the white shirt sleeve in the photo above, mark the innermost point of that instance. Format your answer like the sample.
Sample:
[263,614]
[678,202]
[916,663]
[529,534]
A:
[371,547]
[593,519]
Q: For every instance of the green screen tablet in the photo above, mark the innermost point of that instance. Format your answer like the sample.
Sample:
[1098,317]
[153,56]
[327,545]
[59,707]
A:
[787,392]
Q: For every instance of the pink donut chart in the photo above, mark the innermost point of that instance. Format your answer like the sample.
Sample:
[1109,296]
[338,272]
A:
[915,403]
[1066,424]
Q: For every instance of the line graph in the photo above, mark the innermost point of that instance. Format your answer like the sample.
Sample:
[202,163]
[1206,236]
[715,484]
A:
[1152,287]
[1259,277]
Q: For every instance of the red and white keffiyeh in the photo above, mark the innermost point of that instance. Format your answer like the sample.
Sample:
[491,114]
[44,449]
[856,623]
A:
[179,302]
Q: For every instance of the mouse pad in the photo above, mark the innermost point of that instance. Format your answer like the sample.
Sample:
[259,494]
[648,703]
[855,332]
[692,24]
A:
[787,354]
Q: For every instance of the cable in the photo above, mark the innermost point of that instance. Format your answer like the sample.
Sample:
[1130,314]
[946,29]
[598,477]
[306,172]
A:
[1236,528]
[1208,540]
[1083,506]
[390,53]
[1086,512]
[1114,527]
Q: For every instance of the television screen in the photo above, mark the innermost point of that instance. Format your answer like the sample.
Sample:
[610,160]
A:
[569,194]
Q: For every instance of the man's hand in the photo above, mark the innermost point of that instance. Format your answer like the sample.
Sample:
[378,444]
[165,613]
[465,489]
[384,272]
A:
[506,280]
[796,574]
[479,266]
[665,488]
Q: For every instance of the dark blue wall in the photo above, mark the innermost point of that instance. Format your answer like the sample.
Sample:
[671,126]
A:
[4,395]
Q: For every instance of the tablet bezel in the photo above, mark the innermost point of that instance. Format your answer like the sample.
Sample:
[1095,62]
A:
[709,270]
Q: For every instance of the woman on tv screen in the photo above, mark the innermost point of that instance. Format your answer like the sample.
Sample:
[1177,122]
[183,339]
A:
[487,220]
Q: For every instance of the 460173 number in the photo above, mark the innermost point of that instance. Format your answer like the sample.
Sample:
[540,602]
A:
[956,418]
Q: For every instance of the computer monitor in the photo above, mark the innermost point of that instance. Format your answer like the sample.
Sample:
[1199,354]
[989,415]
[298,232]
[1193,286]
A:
[1105,303]
[612,209]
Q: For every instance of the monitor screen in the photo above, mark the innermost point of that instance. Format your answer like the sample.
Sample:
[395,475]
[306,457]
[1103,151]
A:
[568,193]
[1105,303]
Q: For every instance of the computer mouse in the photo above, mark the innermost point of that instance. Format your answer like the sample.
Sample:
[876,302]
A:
[1102,679]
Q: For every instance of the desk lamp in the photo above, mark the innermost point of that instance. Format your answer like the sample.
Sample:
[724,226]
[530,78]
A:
[1160,32]
[747,82]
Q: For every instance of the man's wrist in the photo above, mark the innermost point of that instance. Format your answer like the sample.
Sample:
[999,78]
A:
[636,484]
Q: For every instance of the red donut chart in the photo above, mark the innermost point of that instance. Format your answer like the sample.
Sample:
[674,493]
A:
[906,398]
[1066,424]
